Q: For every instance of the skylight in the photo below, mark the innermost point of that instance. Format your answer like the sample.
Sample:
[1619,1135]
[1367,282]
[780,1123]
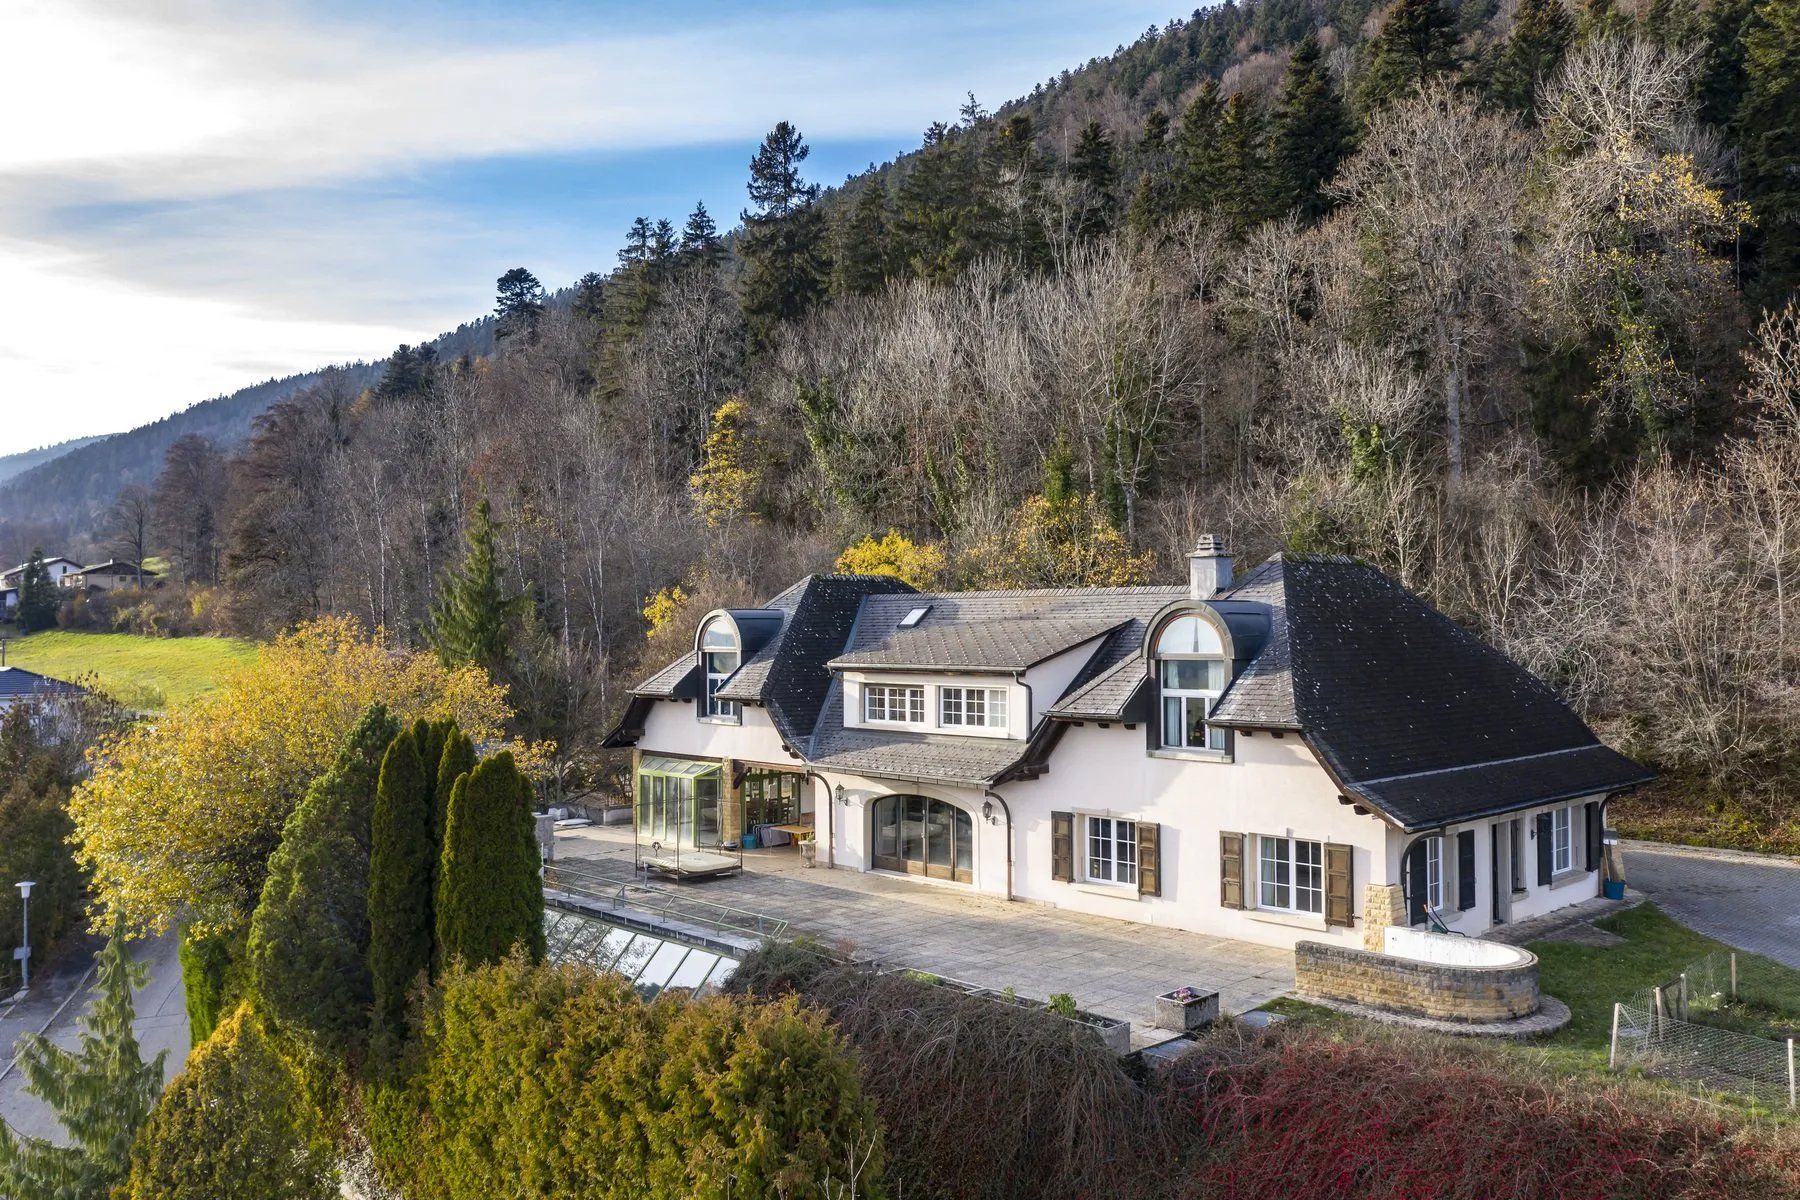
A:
[914,617]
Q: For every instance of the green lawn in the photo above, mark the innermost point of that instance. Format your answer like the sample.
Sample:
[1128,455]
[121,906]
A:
[144,673]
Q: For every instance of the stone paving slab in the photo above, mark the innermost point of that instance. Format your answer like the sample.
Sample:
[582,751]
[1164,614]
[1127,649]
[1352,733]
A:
[1748,901]
[1114,968]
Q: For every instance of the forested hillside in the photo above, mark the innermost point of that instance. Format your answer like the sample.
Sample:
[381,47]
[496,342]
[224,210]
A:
[24,460]
[1497,297]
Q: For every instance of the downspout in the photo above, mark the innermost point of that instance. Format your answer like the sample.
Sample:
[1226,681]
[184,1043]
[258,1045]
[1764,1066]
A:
[1009,839]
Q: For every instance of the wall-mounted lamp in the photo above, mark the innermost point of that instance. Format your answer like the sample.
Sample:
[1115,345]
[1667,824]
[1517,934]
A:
[843,795]
[987,810]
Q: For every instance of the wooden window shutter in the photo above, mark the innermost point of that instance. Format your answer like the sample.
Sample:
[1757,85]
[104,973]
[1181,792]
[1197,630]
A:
[1465,870]
[1596,836]
[1231,870]
[1338,886]
[1062,847]
[1545,865]
[1149,857]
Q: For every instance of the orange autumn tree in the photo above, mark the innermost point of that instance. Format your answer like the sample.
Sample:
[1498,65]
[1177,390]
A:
[179,817]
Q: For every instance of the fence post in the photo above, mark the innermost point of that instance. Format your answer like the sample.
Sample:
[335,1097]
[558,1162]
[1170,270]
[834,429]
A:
[1683,1009]
[1612,1054]
[1661,1015]
[1793,1095]
[1734,974]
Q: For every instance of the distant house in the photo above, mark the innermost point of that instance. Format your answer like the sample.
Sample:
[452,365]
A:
[11,582]
[111,574]
[19,686]
[1305,751]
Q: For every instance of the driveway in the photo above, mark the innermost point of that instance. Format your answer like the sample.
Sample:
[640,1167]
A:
[161,1024]
[1110,967]
[1750,901]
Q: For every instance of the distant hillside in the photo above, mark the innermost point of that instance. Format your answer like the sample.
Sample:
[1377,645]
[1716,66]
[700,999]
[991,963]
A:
[17,464]
[65,486]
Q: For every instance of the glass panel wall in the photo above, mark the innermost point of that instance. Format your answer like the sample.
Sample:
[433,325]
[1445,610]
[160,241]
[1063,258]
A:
[678,803]
[923,836]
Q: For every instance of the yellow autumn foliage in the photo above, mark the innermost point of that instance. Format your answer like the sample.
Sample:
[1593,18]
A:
[919,564]
[179,817]
[663,607]
[1058,543]
[725,485]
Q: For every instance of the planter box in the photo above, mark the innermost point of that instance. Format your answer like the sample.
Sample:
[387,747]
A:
[1186,1009]
[1114,1035]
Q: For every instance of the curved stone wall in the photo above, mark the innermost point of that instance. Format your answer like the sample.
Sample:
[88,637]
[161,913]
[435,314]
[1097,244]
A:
[1446,991]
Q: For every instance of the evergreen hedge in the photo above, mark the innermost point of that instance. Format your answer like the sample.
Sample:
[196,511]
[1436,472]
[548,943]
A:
[212,977]
[309,939]
[561,1081]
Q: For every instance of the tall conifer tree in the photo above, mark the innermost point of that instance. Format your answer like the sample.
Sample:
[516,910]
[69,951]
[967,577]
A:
[1313,133]
[38,600]
[102,1093]
[1200,177]
[1095,174]
[1769,132]
[1541,33]
[401,857]
[490,890]
[472,620]
[1244,195]
[860,257]
[783,242]
[1417,42]
[700,238]
[518,305]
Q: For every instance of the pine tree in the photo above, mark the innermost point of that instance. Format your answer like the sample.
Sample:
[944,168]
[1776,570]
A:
[1244,196]
[1155,198]
[860,256]
[490,887]
[409,373]
[1417,42]
[590,297]
[473,617]
[38,599]
[1313,133]
[1602,19]
[944,221]
[783,242]
[1019,194]
[518,305]
[1722,79]
[1541,33]
[1675,23]
[700,238]
[456,760]
[401,853]
[1769,132]
[1095,175]
[1199,175]
[308,952]
[102,1093]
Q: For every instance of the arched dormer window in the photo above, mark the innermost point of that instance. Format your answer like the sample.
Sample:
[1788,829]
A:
[1191,666]
[720,656]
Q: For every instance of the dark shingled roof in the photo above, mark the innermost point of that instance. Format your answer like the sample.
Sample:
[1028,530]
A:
[787,673]
[17,681]
[1409,711]
[994,645]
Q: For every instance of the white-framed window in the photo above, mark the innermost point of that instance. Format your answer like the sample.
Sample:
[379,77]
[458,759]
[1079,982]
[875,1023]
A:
[1191,671]
[972,707]
[893,703]
[1111,850]
[719,655]
[1434,873]
[1290,874]
[1562,840]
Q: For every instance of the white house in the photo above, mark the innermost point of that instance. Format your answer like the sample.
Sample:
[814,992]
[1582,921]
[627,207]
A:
[12,581]
[19,686]
[110,575]
[1308,751]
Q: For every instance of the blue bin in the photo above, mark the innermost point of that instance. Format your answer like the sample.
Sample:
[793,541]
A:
[1614,889]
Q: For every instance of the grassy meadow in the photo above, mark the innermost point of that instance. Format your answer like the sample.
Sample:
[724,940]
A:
[145,673]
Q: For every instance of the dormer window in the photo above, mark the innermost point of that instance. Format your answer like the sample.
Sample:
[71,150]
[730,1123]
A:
[719,655]
[1190,664]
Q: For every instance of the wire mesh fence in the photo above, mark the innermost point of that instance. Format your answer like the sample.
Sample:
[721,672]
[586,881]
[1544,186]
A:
[1726,1021]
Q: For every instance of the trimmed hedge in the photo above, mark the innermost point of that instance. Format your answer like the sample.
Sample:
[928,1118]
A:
[559,1081]
[490,891]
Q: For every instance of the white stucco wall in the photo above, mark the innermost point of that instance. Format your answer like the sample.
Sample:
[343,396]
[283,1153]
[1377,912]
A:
[1534,899]
[674,728]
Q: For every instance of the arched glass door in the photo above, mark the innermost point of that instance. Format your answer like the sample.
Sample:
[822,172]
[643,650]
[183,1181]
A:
[923,836]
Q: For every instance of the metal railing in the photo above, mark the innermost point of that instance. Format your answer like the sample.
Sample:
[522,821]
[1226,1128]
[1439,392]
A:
[598,886]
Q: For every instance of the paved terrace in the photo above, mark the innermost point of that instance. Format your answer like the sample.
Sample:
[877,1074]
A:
[1112,968]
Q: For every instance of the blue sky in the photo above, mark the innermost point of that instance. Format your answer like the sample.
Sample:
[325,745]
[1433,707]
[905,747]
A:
[203,195]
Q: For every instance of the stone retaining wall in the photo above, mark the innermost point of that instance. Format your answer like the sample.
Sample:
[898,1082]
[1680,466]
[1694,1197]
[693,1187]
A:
[1449,993]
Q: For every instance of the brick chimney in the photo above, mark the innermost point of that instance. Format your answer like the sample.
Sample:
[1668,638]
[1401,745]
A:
[1209,567]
